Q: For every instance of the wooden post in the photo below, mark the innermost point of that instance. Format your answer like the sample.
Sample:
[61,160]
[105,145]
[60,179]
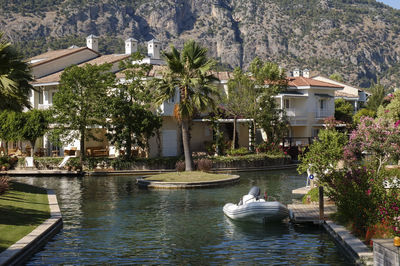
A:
[321,203]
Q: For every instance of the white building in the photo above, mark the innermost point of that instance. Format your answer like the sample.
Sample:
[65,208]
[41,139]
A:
[307,103]
[356,96]
[48,67]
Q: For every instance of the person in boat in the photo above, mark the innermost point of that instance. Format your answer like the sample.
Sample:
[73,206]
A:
[252,196]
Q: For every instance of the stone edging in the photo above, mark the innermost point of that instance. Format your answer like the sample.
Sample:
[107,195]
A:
[180,185]
[354,249]
[22,250]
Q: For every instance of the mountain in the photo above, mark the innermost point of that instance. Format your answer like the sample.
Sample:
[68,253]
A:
[357,38]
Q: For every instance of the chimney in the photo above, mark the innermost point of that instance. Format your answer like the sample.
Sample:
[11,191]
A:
[92,42]
[296,73]
[153,49]
[306,73]
[131,46]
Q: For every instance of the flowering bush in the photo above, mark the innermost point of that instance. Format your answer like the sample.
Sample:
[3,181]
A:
[379,138]
[357,196]
[389,207]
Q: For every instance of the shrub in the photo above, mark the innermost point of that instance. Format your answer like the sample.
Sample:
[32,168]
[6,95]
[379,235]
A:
[204,165]
[311,196]
[4,185]
[7,162]
[238,152]
[180,166]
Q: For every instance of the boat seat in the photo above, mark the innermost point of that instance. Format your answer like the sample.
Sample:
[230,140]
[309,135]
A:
[249,198]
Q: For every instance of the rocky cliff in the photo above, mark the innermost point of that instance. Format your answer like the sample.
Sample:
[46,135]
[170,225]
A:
[357,38]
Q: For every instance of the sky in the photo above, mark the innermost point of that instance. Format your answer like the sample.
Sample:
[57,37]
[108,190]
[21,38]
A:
[392,3]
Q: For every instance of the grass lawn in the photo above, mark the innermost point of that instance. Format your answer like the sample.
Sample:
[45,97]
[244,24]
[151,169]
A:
[194,176]
[22,209]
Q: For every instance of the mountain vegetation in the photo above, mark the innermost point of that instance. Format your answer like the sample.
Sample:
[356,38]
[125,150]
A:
[359,39]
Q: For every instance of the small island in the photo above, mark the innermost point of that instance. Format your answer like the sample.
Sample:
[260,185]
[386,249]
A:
[191,179]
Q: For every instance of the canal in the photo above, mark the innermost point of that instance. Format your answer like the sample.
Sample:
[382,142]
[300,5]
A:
[108,220]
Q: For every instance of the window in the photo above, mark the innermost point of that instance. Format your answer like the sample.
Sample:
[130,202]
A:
[52,97]
[322,104]
[315,132]
[40,96]
[287,103]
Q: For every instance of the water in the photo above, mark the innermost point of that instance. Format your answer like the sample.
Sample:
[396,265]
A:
[108,220]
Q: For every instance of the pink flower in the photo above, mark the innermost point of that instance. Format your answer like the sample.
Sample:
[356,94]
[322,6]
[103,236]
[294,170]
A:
[369,192]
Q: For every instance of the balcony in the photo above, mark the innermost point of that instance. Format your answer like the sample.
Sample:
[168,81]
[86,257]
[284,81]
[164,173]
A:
[295,112]
[44,106]
[296,117]
[323,113]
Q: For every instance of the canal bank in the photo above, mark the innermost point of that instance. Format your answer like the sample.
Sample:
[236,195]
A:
[355,250]
[22,250]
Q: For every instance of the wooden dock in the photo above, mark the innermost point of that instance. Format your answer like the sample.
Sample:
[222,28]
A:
[301,191]
[309,213]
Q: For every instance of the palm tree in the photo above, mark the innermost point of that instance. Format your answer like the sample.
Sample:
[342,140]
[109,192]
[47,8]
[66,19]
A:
[378,93]
[14,78]
[190,72]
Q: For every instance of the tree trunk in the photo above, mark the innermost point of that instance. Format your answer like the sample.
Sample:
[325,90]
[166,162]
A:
[128,147]
[234,133]
[186,146]
[253,136]
[6,148]
[82,147]
[158,134]
[32,147]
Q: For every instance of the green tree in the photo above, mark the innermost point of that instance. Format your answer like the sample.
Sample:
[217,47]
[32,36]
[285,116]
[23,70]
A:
[240,98]
[343,111]
[337,77]
[361,113]
[80,104]
[11,125]
[36,123]
[324,154]
[14,78]
[189,72]
[270,81]
[378,93]
[132,122]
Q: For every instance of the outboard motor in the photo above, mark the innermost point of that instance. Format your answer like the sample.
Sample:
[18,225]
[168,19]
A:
[255,191]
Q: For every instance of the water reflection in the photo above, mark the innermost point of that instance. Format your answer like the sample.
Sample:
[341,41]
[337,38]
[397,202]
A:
[108,220]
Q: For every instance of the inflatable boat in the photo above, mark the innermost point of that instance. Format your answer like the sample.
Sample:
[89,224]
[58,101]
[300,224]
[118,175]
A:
[253,208]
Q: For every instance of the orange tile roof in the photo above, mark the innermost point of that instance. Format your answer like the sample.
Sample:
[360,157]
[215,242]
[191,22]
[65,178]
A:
[302,81]
[156,71]
[55,77]
[56,54]
[345,94]
[109,58]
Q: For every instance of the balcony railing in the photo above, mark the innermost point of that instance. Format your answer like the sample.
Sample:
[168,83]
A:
[321,113]
[44,106]
[295,112]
